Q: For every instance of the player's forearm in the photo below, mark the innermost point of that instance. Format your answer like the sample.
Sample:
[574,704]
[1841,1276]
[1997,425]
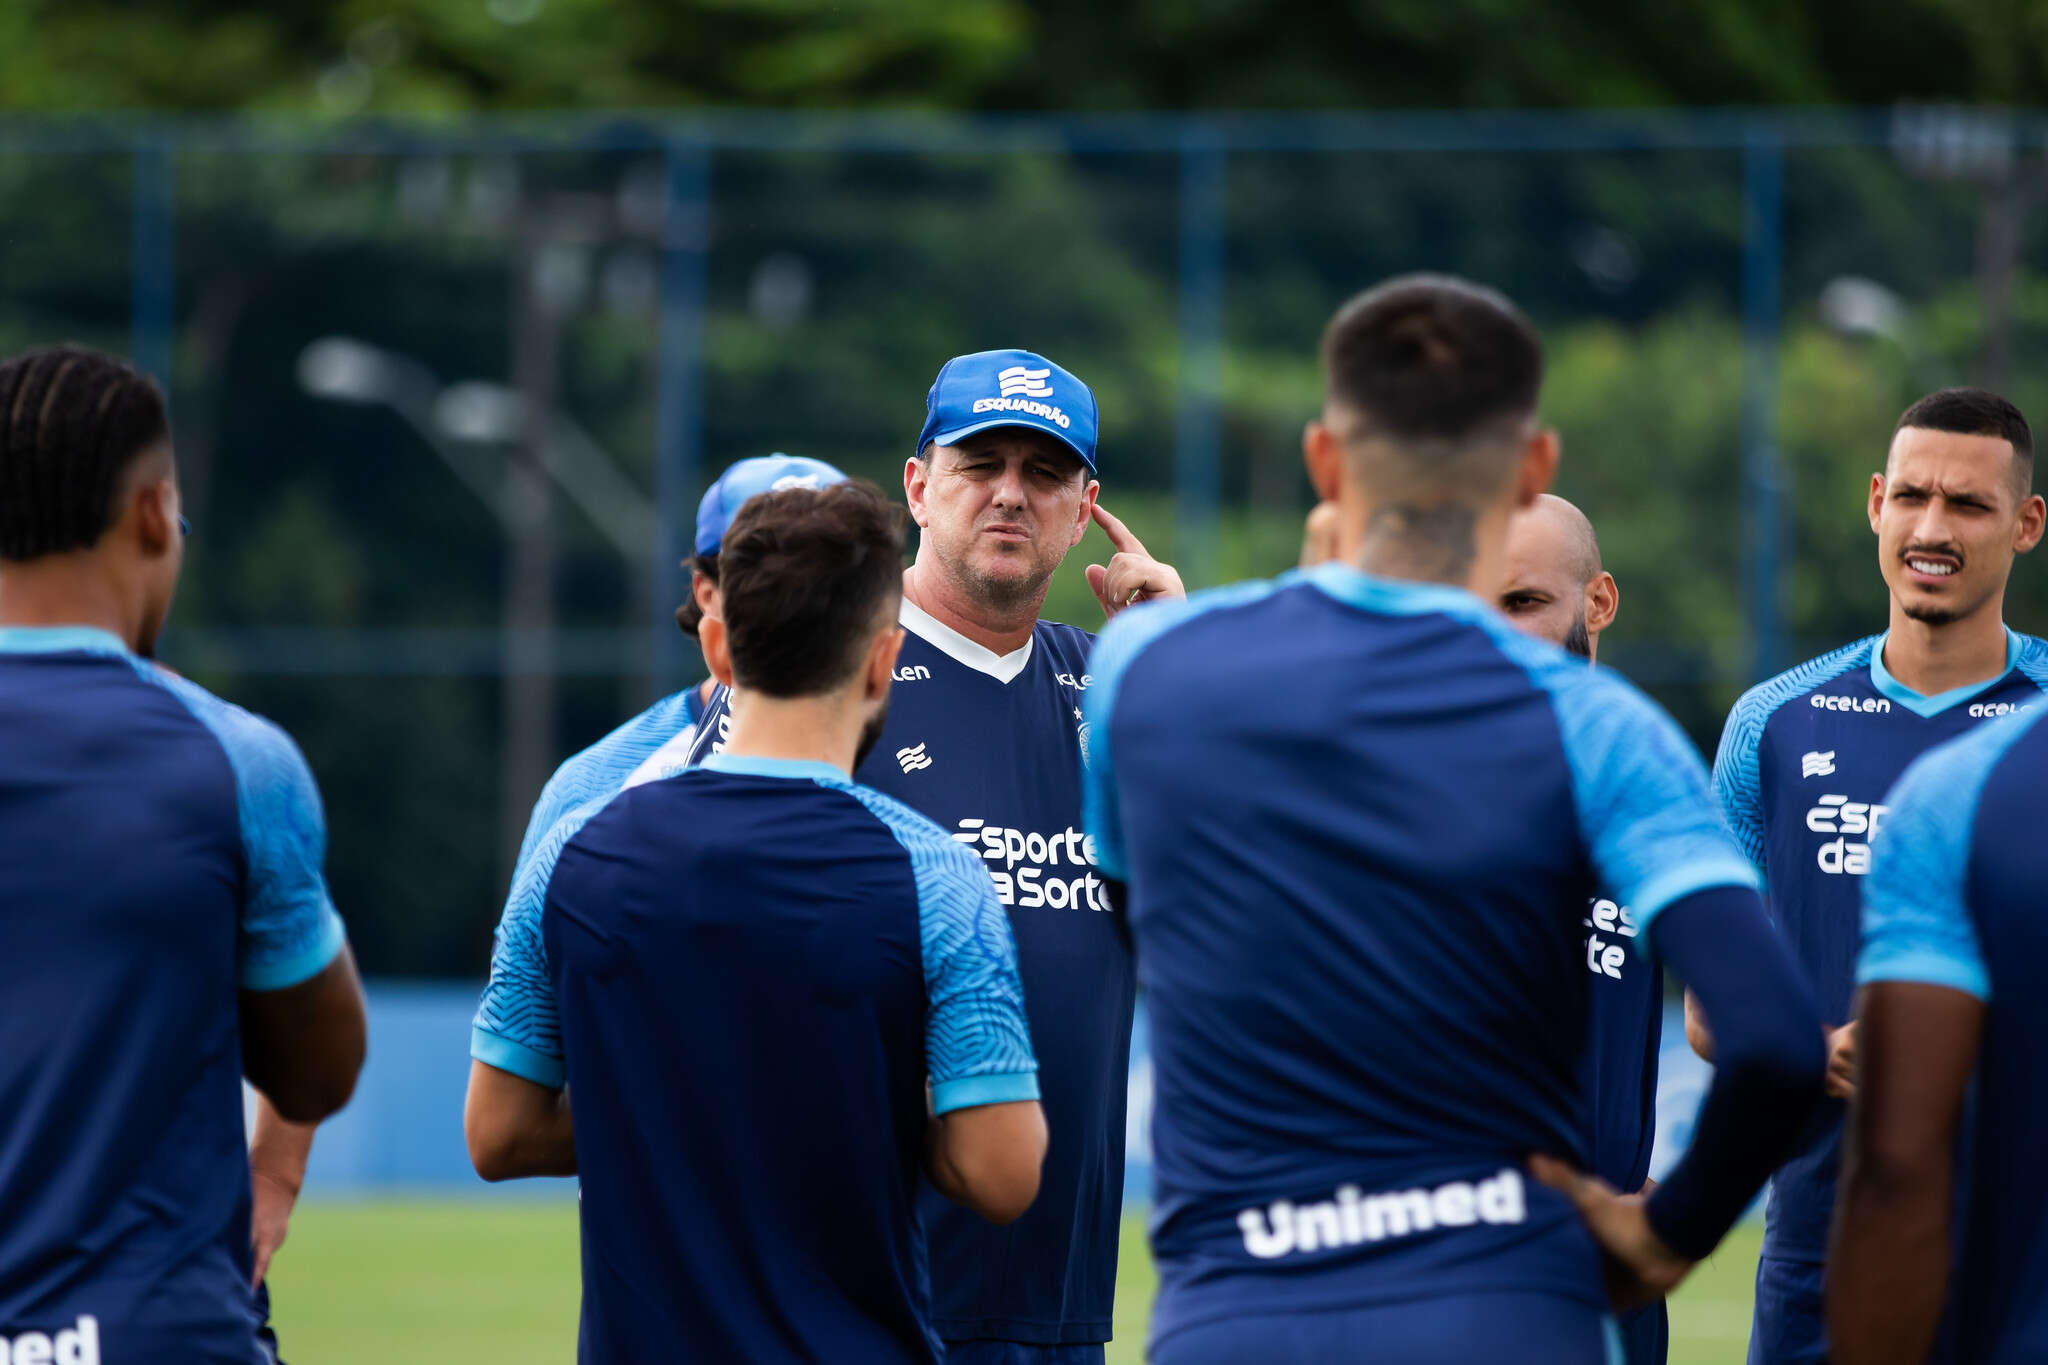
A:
[278,1148]
[1888,1265]
[1770,1069]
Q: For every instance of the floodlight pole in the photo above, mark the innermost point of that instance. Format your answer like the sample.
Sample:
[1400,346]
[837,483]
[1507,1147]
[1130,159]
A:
[1763,188]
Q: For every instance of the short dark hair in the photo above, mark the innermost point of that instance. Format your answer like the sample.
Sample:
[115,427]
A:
[805,574]
[1976,412]
[71,422]
[689,615]
[1432,357]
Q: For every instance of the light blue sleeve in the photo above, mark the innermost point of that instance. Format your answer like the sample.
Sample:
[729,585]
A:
[290,930]
[1916,915]
[517,1027]
[1737,784]
[977,1043]
[1641,792]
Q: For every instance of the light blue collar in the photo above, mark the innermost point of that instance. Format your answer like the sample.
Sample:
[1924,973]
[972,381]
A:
[1396,596]
[1886,684]
[748,766]
[59,640]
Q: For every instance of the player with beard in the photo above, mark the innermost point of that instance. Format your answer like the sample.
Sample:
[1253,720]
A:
[985,736]
[1557,590]
[747,973]
[510,1091]
[1807,758]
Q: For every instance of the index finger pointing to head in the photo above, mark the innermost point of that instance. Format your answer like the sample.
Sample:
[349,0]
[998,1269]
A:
[1118,533]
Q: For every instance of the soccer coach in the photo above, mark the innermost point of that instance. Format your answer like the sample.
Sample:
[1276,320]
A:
[985,736]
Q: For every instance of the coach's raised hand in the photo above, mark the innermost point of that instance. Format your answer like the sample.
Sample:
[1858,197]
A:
[1132,574]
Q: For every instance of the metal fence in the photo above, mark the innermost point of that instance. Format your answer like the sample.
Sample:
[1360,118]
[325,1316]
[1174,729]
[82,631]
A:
[446,395]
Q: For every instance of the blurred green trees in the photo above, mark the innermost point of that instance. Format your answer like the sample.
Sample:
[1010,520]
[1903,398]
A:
[346,583]
[445,56]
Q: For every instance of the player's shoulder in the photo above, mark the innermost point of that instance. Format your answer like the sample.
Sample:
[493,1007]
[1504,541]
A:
[264,757]
[1957,770]
[926,841]
[1131,632]
[2030,659]
[539,866]
[1756,706]
[608,761]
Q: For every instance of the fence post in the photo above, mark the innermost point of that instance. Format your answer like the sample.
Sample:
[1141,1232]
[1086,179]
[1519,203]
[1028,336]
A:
[1198,445]
[685,247]
[151,256]
[1763,184]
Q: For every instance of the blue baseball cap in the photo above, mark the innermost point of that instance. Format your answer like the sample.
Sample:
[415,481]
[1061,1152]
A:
[743,479]
[1009,389]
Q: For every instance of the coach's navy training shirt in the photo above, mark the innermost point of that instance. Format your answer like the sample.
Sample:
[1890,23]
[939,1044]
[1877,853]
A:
[745,975]
[160,851]
[1803,768]
[1954,899]
[993,748]
[1360,820]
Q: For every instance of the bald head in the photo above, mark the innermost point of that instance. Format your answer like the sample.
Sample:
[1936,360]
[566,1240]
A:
[1555,587]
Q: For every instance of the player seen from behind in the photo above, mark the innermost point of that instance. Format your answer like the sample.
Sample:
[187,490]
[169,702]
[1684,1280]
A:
[985,736]
[509,1093]
[1807,757]
[165,927]
[745,975]
[1360,817]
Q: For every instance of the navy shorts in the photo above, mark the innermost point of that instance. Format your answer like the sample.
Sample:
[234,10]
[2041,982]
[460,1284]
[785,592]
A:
[1789,1326]
[1020,1353]
[1529,1329]
[1645,1335]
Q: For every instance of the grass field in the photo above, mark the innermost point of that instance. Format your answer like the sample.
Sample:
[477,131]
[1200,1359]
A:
[495,1284]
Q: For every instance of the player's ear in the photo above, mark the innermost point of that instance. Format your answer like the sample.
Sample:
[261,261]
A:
[154,511]
[1876,500]
[717,647]
[1603,600]
[917,474]
[2033,516]
[1089,495]
[1540,455]
[881,669]
[1323,453]
[704,590]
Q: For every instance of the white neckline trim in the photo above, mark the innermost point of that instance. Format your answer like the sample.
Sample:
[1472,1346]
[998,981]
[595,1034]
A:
[960,649]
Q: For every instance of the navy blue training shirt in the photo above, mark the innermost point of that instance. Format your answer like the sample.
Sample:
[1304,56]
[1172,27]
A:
[1360,820]
[160,852]
[1804,764]
[993,749]
[1620,1066]
[1954,899]
[745,976]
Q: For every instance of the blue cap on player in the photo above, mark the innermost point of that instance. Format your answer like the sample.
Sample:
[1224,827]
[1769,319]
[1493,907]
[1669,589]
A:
[1009,389]
[743,479]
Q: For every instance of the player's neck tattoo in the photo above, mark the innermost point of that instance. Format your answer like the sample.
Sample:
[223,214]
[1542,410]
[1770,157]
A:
[1433,542]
